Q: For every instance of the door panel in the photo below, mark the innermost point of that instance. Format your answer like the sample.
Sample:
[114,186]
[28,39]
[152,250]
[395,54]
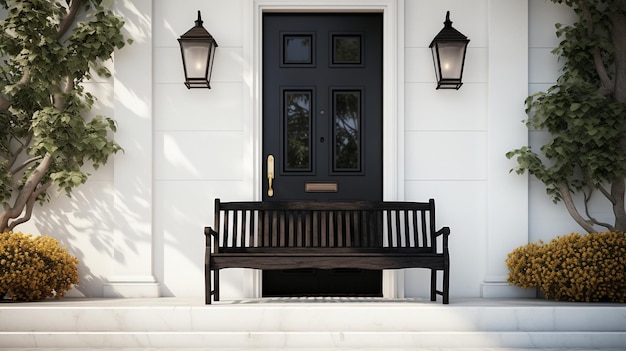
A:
[322,125]
[322,106]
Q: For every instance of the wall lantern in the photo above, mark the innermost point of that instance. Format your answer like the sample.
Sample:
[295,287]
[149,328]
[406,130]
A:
[198,49]
[448,49]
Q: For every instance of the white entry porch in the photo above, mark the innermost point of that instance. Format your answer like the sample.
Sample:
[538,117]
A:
[311,324]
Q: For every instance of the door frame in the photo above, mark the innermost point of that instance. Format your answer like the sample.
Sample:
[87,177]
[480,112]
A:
[393,104]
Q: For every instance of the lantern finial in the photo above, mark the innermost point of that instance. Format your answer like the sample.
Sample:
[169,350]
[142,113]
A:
[199,21]
[447,23]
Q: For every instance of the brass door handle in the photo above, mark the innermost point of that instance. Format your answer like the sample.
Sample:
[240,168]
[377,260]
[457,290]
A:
[270,175]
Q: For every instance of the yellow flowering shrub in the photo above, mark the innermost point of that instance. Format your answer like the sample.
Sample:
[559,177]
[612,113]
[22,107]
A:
[34,268]
[574,267]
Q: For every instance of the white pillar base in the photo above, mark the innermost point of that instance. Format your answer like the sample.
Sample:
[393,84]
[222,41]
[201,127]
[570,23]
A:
[393,284]
[129,287]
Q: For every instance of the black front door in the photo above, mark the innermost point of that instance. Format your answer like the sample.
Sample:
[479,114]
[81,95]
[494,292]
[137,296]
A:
[322,127]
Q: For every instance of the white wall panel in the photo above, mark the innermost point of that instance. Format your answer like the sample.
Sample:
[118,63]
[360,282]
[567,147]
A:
[543,15]
[428,109]
[545,66]
[507,194]
[133,172]
[534,88]
[547,218]
[103,93]
[476,65]
[183,109]
[445,156]
[460,206]
[223,19]
[182,210]
[424,19]
[418,66]
[198,155]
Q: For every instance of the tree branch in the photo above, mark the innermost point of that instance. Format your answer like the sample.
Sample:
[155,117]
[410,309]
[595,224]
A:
[68,20]
[25,77]
[605,80]
[19,150]
[566,195]
[25,164]
[30,204]
[591,218]
[606,194]
[66,87]
[30,186]
[4,104]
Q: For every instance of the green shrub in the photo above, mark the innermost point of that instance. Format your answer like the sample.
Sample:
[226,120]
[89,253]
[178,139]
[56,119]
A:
[34,268]
[575,267]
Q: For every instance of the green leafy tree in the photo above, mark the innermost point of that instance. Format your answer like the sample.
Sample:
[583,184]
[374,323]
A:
[585,113]
[48,49]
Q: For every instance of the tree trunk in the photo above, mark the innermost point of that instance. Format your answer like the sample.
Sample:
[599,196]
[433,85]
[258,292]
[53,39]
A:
[566,195]
[25,193]
[618,33]
[618,190]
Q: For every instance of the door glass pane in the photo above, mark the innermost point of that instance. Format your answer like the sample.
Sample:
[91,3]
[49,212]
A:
[347,130]
[298,49]
[346,49]
[297,114]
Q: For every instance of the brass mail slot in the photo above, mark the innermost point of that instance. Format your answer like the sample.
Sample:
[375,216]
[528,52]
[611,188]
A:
[330,187]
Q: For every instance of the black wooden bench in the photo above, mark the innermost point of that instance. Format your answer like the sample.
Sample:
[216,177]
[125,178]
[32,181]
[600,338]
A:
[326,235]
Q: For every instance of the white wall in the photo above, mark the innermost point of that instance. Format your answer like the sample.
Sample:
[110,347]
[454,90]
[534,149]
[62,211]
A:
[146,210]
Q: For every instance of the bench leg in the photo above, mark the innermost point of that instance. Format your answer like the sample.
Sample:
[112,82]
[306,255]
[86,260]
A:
[216,284]
[207,284]
[446,283]
[433,285]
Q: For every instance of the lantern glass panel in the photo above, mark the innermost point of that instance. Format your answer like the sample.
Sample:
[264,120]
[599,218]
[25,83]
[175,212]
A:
[436,62]
[450,59]
[195,55]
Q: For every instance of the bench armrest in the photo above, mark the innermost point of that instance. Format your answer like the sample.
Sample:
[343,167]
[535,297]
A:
[445,231]
[208,233]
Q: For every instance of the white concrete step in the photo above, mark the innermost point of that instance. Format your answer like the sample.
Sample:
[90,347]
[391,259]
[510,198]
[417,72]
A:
[350,324]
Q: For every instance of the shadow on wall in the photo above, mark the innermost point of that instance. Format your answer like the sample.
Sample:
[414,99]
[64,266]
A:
[84,223]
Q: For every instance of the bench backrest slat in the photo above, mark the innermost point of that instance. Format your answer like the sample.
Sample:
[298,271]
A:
[325,224]
[424,230]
